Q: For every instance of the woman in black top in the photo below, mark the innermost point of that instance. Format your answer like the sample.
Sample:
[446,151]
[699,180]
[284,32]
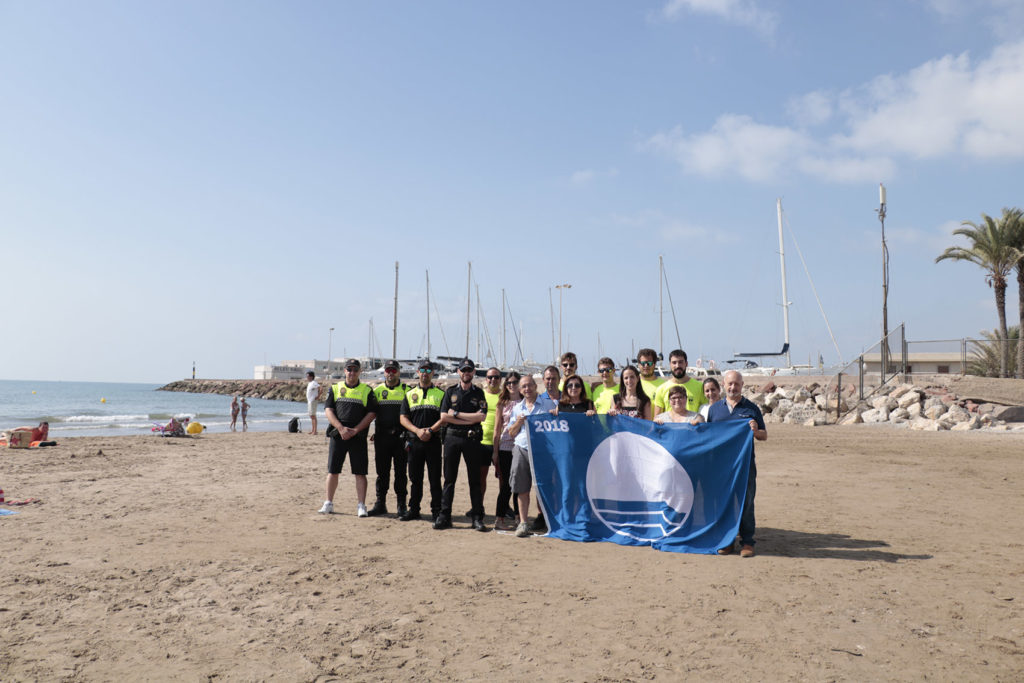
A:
[631,399]
[573,399]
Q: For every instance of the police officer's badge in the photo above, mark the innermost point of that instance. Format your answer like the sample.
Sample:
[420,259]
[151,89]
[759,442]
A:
[384,394]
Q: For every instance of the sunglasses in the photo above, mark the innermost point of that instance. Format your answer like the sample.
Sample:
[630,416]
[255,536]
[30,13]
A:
[425,371]
[647,363]
[390,370]
[568,365]
[574,386]
[351,369]
[604,370]
[493,377]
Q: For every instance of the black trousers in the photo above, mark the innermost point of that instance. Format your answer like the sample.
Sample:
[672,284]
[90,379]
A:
[387,448]
[456,449]
[429,454]
[505,487]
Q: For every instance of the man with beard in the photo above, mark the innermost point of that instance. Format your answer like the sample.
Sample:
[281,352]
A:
[421,417]
[694,390]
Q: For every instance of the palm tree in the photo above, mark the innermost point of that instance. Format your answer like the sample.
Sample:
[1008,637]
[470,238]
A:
[991,250]
[1013,220]
[986,355]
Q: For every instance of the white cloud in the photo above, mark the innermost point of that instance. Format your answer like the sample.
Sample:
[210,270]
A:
[653,222]
[586,176]
[1005,18]
[945,107]
[740,12]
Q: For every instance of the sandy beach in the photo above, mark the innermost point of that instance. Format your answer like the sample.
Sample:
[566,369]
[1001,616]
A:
[883,555]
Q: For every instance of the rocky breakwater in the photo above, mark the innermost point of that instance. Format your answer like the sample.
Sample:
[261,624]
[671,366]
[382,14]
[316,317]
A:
[274,389]
[910,406]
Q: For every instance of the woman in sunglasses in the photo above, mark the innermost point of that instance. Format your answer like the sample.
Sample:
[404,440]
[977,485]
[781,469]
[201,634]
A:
[574,398]
[505,518]
[631,400]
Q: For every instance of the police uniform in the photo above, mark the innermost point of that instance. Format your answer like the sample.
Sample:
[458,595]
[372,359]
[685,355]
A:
[350,405]
[462,442]
[389,445]
[422,407]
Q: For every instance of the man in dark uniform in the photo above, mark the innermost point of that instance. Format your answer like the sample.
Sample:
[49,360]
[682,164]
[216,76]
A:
[421,416]
[389,440]
[351,407]
[463,409]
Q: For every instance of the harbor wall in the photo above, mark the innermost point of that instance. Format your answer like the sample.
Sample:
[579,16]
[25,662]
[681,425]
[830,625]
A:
[274,389]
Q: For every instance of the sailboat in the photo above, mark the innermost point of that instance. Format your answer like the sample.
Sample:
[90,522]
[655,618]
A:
[750,367]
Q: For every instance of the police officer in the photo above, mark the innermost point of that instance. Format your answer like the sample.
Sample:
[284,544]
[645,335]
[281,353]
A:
[351,407]
[389,440]
[463,408]
[421,417]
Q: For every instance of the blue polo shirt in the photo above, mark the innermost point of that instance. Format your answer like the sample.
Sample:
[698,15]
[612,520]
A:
[744,410]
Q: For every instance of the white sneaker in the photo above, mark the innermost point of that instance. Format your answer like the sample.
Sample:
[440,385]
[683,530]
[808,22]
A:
[328,508]
[361,510]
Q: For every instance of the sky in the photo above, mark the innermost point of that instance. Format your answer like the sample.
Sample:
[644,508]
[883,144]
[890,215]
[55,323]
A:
[224,182]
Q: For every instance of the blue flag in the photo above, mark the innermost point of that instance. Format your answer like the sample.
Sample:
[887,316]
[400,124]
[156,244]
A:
[613,478]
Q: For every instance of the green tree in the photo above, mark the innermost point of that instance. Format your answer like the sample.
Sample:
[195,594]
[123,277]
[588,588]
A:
[991,250]
[986,356]
[1013,219]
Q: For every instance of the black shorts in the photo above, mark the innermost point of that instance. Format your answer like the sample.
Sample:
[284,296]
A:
[356,447]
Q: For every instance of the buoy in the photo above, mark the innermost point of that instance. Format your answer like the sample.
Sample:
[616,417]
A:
[103,400]
[194,428]
[33,391]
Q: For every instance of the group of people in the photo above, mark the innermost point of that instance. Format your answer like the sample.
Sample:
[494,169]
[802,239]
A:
[424,427]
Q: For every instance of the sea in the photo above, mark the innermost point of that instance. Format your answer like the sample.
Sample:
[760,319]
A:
[115,409]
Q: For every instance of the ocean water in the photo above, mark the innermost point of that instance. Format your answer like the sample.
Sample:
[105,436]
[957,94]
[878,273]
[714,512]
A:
[79,408]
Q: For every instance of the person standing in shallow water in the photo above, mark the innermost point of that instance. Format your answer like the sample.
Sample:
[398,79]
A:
[234,413]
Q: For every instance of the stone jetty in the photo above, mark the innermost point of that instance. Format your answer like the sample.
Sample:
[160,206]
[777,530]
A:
[275,389]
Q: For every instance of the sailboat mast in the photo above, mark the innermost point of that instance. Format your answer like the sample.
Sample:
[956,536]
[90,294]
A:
[661,305]
[785,298]
[428,315]
[504,349]
[478,322]
[394,327]
[469,299]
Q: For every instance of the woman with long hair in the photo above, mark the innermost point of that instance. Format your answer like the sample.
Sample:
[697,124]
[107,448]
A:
[574,397]
[631,400]
[505,517]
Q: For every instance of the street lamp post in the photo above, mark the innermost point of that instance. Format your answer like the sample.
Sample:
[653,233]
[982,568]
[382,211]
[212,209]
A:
[560,288]
[885,283]
[330,340]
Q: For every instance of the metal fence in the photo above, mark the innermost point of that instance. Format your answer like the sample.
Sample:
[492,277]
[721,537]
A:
[877,366]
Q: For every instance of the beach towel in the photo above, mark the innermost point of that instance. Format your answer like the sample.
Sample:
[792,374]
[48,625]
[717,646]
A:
[8,512]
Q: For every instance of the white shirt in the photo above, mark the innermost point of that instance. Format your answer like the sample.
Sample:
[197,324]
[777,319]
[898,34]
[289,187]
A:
[312,391]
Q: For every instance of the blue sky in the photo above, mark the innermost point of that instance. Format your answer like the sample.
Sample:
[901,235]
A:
[224,182]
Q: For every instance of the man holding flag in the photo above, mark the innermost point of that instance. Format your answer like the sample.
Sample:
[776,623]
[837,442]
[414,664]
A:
[736,407]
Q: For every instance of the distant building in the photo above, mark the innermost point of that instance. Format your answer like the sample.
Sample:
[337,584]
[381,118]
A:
[297,369]
[920,363]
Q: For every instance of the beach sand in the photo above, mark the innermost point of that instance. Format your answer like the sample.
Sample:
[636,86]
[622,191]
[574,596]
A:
[883,555]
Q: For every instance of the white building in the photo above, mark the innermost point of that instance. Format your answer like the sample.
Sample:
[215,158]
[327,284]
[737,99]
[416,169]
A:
[935,363]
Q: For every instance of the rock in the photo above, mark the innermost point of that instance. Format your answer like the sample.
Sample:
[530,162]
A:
[987,408]
[935,411]
[783,392]
[932,401]
[818,420]
[771,418]
[914,410]
[768,388]
[900,389]
[889,404]
[925,425]
[800,414]
[814,388]
[801,395]
[875,415]
[1009,413]
[899,415]
[956,414]
[785,405]
[973,423]
[908,398]
[851,418]
[771,401]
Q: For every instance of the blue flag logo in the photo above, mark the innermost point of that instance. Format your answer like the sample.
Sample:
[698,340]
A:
[623,480]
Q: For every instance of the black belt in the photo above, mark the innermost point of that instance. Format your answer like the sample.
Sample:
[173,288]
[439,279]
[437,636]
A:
[458,431]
